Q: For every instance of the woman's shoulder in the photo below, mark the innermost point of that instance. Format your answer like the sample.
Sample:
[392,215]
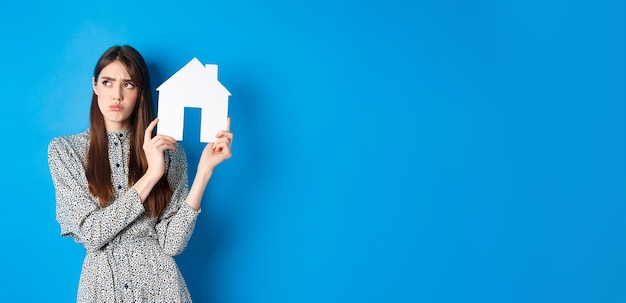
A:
[70,141]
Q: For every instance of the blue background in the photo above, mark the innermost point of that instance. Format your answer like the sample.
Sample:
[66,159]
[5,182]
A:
[385,151]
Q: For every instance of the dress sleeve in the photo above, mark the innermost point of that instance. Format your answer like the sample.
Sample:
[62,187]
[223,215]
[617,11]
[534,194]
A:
[176,223]
[77,211]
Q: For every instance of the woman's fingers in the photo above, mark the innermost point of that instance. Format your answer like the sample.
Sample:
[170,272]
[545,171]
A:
[158,143]
[222,147]
[163,138]
[158,138]
[223,139]
[162,142]
[150,128]
[225,133]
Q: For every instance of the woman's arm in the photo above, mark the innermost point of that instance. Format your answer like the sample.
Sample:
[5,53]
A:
[212,155]
[177,221]
[176,224]
[77,211]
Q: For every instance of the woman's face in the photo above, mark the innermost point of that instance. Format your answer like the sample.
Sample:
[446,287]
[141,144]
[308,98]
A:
[117,95]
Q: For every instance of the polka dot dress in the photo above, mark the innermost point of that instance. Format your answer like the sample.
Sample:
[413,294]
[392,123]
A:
[129,255]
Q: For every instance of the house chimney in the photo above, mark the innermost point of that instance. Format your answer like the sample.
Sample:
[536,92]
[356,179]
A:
[211,70]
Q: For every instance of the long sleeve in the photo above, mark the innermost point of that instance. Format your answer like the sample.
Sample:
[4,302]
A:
[177,222]
[77,211]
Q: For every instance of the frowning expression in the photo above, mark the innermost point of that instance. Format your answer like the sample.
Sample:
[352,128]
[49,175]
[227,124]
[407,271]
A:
[117,96]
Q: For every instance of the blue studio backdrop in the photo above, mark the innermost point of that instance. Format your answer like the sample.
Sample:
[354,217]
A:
[384,151]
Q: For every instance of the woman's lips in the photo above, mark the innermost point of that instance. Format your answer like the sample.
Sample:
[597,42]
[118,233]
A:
[116,108]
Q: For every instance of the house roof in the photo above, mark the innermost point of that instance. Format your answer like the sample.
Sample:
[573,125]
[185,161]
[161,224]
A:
[195,77]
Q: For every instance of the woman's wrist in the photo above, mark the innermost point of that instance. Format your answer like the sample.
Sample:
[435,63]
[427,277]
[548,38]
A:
[153,176]
[144,185]
[204,174]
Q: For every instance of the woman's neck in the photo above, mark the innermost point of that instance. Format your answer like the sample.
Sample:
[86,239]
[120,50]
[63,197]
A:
[117,127]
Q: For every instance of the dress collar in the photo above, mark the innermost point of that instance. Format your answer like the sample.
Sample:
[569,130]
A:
[121,135]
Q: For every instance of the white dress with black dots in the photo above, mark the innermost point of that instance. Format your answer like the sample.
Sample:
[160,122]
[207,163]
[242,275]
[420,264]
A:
[129,255]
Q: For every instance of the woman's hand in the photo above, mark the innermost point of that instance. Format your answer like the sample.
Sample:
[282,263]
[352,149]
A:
[154,147]
[216,152]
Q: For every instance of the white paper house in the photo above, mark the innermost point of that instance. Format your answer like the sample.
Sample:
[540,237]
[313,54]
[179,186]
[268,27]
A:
[194,85]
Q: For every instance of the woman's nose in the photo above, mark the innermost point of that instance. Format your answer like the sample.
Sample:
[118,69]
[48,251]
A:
[117,93]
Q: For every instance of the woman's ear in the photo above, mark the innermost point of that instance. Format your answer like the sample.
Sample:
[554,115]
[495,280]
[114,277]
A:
[93,83]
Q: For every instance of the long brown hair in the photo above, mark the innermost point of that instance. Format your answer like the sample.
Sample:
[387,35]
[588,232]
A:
[98,166]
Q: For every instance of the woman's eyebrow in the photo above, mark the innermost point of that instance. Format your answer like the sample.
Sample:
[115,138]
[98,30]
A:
[113,79]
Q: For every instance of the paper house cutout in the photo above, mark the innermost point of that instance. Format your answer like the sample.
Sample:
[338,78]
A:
[194,85]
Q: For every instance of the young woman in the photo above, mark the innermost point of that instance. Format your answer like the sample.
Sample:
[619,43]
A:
[123,193]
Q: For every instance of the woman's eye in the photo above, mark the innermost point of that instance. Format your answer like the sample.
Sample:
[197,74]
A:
[129,85]
[106,83]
